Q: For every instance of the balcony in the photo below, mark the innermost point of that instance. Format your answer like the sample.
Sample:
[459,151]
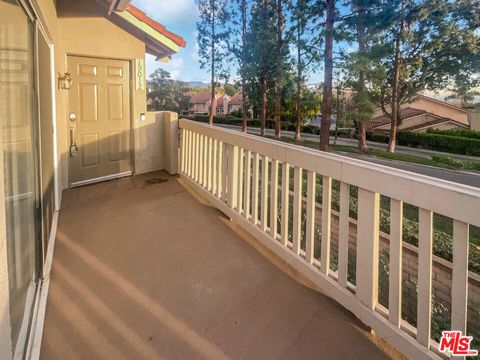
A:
[234,258]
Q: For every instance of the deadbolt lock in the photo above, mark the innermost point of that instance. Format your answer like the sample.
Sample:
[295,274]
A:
[73,150]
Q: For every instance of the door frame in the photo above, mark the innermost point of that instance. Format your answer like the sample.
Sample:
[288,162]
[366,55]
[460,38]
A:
[131,99]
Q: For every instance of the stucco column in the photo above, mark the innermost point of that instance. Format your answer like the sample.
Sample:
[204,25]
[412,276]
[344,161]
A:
[170,141]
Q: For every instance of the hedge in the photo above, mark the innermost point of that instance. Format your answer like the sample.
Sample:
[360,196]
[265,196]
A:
[432,141]
[471,134]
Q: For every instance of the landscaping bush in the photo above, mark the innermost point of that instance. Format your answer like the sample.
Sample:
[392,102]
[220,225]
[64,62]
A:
[456,132]
[432,141]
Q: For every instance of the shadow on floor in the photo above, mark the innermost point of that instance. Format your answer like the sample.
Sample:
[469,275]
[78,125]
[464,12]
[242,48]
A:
[142,270]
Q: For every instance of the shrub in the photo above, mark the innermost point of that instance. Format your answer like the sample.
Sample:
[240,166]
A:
[432,141]
[471,134]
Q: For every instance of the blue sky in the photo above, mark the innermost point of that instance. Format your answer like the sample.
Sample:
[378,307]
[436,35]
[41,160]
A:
[180,16]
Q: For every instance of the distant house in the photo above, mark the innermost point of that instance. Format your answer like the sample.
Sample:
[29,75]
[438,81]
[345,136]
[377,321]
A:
[235,102]
[424,113]
[222,105]
[199,104]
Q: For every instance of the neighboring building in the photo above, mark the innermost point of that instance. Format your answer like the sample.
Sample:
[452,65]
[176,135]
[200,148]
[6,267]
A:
[222,105]
[199,104]
[416,120]
[423,113]
[72,112]
[235,102]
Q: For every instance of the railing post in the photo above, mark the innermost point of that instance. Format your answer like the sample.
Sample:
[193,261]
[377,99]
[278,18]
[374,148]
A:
[310,227]
[460,276]
[240,175]
[182,151]
[326,223]
[367,247]
[285,201]
[424,306]
[247,179]
[396,244]
[264,194]
[343,234]
[232,176]
[273,198]
[297,208]
[256,170]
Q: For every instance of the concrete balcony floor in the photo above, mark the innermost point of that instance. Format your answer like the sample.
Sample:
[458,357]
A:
[144,270]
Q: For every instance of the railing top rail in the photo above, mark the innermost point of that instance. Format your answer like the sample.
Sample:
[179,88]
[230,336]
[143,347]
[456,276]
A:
[458,201]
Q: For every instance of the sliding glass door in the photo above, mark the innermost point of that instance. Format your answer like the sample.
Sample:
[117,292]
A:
[18,119]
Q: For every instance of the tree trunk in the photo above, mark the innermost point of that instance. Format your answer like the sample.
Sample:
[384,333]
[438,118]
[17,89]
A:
[212,82]
[244,59]
[278,80]
[263,111]
[394,103]
[328,77]
[298,100]
[362,136]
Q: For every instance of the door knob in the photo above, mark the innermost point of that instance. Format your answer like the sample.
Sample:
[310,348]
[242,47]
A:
[72,116]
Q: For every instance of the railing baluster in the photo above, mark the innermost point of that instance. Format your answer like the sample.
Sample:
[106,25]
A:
[326,223]
[297,208]
[209,165]
[343,234]
[256,170]
[189,153]
[285,202]
[424,312]
[273,198]
[197,155]
[232,176]
[240,175]
[396,243]
[310,230]
[219,169]
[225,155]
[247,179]
[214,166]
[367,247]
[205,161]
[201,160]
[264,194]
[460,276]
[182,150]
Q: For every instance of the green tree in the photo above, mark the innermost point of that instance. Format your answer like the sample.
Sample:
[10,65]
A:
[307,53]
[434,41]
[212,40]
[230,89]
[260,69]
[365,22]
[165,93]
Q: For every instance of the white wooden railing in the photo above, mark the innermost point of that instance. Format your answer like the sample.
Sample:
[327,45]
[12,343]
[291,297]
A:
[239,174]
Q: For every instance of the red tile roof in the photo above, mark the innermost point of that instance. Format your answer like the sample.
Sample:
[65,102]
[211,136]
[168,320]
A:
[200,98]
[140,15]
[404,114]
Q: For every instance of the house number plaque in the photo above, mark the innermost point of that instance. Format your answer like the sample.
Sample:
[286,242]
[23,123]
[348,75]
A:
[140,74]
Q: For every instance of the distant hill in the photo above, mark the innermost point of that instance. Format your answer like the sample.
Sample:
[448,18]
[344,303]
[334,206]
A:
[196,84]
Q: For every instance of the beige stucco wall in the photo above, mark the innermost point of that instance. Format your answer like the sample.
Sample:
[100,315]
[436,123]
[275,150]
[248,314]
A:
[84,29]
[474,120]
